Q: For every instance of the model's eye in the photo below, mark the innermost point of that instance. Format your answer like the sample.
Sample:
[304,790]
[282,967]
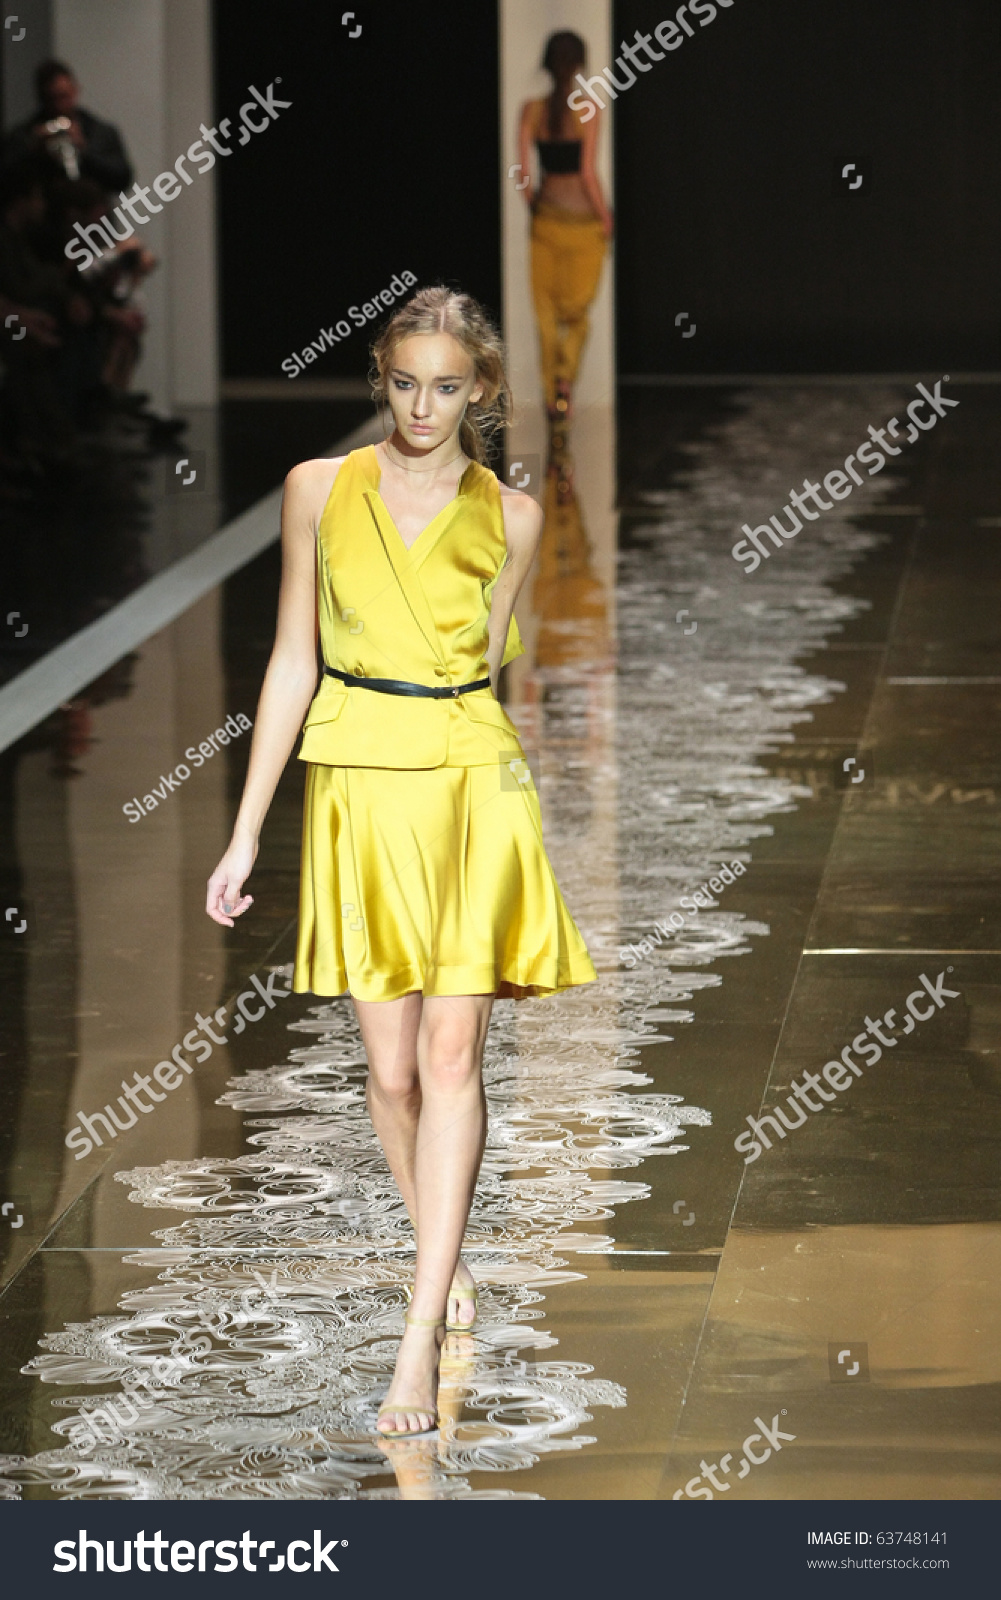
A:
[401,383]
[448,388]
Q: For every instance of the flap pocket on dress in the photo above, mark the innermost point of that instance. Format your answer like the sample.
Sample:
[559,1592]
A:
[326,708]
[485,707]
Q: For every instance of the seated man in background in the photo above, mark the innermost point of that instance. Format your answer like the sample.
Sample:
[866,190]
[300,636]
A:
[85,147]
[85,167]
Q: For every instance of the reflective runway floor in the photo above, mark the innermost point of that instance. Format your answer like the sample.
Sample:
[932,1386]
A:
[206,1304]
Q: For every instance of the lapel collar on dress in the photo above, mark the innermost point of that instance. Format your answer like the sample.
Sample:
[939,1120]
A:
[403,562]
[469,482]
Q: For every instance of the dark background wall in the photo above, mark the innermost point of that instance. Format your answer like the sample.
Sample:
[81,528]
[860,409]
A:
[388,159]
[727,207]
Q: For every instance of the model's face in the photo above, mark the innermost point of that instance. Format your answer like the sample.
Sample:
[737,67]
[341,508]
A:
[431,380]
[61,97]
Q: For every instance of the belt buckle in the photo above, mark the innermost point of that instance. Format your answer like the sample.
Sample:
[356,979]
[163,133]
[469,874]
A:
[455,693]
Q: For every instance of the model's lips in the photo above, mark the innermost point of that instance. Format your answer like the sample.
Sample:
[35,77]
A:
[420,427]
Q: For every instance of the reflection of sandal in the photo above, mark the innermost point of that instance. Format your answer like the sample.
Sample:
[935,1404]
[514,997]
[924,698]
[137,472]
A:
[472,1294]
[394,1409]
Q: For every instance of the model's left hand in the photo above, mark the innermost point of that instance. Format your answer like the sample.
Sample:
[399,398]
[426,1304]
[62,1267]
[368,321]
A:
[224,900]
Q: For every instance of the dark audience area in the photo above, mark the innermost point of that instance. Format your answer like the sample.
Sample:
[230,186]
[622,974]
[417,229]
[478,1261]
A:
[71,339]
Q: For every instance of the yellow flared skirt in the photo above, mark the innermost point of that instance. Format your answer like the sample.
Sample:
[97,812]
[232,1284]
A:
[434,880]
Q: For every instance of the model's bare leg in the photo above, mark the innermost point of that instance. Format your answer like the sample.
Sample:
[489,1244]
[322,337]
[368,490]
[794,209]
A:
[450,1138]
[389,1030]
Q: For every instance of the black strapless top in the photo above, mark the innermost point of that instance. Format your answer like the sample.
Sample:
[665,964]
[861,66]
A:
[559,155]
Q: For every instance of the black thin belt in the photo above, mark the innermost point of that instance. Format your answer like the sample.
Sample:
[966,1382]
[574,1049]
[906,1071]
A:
[400,686]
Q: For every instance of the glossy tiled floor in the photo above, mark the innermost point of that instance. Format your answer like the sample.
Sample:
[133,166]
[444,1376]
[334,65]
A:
[654,1309]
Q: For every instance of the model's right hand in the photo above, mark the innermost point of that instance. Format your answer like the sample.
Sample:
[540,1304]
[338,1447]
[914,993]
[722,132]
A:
[224,900]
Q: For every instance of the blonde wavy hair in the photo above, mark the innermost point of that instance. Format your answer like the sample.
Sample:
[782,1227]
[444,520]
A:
[442,310]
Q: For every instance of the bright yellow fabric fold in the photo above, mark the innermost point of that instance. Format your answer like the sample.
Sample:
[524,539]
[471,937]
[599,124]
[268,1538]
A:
[432,880]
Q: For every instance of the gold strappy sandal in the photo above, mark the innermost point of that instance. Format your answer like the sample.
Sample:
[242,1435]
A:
[386,1410]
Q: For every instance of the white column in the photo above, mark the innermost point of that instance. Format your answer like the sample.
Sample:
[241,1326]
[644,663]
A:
[146,66]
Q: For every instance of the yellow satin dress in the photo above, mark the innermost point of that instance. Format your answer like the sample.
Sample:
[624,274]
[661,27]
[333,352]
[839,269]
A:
[423,866]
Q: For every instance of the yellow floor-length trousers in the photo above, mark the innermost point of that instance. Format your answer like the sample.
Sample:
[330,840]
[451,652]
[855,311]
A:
[568,249]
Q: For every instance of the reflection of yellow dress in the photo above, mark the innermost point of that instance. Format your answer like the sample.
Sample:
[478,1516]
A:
[423,865]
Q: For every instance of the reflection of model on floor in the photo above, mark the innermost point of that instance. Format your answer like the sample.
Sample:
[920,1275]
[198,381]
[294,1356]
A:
[568,597]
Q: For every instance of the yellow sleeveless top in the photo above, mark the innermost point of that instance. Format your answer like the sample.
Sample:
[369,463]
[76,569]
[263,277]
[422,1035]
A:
[420,614]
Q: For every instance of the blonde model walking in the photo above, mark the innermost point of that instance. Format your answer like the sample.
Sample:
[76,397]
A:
[426,890]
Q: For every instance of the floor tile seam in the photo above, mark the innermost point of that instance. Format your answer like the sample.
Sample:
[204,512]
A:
[898,950]
[35,1249]
[730,1226]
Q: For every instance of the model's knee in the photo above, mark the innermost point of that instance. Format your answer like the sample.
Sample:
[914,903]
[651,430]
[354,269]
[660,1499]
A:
[395,1088]
[450,1064]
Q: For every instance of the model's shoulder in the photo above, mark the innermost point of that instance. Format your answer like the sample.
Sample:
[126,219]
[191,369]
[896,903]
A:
[309,485]
[523,516]
[513,498]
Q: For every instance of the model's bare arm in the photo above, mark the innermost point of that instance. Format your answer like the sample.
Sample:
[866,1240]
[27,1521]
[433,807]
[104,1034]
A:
[589,172]
[289,685]
[525,133]
[523,520]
